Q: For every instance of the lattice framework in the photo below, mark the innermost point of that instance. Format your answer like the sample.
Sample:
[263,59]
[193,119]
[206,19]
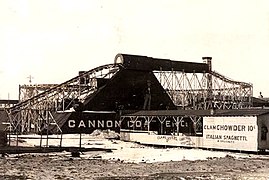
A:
[39,103]
[205,90]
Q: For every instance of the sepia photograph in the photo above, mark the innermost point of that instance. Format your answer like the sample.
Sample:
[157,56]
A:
[145,89]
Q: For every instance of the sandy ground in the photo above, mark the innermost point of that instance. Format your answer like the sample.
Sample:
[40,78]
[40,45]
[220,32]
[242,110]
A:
[64,167]
[132,161]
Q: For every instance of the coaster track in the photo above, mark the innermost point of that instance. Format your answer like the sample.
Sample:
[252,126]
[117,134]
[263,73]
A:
[188,90]
[32,113]
[205,90]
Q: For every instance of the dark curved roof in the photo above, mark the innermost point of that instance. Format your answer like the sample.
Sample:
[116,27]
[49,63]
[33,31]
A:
[150,64]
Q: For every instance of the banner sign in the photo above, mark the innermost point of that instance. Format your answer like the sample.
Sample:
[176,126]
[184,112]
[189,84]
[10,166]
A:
[87,122]
[235,133]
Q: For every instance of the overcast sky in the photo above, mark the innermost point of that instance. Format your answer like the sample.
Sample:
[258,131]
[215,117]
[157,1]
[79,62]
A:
[52,40]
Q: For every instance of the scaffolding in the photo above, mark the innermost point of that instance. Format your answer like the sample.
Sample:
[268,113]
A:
[205,90]
[39,103]
[188,90]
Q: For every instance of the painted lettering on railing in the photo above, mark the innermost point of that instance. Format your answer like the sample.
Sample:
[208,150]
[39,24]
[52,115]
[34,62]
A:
[93,124]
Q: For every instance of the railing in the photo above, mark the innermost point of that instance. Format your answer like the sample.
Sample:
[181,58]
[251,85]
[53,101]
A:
[30,114]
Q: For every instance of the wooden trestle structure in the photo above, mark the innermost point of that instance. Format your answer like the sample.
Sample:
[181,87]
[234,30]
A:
[189,86]
[33,113]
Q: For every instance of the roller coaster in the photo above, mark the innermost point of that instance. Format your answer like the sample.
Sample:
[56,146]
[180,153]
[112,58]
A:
[134,83]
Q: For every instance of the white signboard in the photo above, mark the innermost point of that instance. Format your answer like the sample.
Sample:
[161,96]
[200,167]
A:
[236,133]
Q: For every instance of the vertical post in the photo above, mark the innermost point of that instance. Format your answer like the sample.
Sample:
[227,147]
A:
[173,89]
[185,97]
[17,141]
[80,138]
[61,140]
[41,139]
[148,123]
[177,123]
[194,120]
[161,120]
[63,104]
[208,61]
[161,128]
[47,119]
[80,141]
[9,136]
[29,124]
